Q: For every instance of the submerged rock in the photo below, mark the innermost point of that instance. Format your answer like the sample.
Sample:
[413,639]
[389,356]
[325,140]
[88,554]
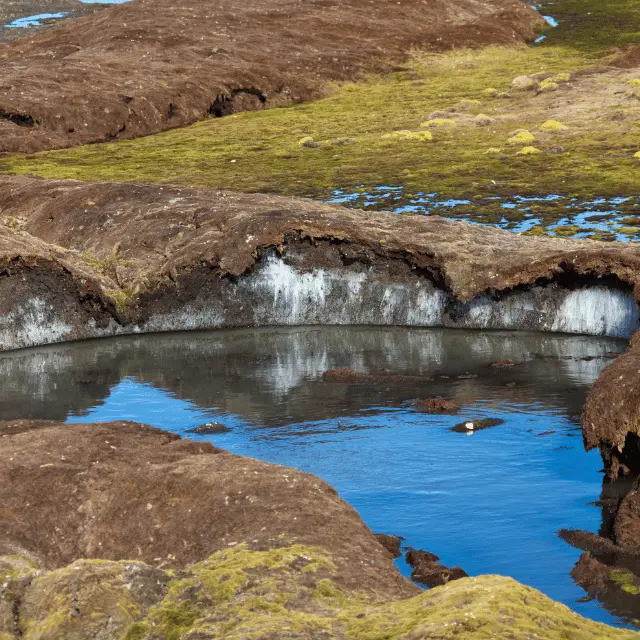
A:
[209,428]
[437,405]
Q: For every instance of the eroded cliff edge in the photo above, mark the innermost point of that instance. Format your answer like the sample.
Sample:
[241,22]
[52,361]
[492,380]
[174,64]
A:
[88,260]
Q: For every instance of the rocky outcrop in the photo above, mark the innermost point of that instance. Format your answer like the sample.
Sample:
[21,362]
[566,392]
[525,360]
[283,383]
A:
[122,531]
[150,65]
[148,258]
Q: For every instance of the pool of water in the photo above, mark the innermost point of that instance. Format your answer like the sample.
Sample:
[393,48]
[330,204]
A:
[37,20]
[490,502]
[616,218]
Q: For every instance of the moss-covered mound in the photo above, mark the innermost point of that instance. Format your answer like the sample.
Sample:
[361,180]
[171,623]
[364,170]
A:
[284,592]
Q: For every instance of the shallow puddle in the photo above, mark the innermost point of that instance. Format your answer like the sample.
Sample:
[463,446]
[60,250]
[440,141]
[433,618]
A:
[38,20]
[490,501]
[599,218]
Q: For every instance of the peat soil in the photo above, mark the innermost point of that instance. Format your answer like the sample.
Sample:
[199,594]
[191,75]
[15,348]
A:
[148,65]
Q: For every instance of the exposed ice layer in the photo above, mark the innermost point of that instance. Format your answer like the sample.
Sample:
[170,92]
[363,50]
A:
[598,311]
[286,296]
[279,294]
[31,323]
[329,296]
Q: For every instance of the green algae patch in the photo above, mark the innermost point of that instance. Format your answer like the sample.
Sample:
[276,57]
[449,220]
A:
[626,580]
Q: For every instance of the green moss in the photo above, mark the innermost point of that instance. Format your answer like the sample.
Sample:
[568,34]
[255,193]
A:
[535,231]
[626,580]
[566,230]
[529,151]
[523,137]
[388,151]
[125,298]
[201,155]
[548,85]
[418,136]
[552,126]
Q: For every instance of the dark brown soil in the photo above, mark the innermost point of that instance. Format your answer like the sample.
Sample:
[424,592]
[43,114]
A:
[391,543]
[437,405]
[611,416]
[126,491]
[429,572]
[149,65]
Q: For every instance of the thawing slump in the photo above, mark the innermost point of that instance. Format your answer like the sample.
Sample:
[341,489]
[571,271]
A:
[279,293]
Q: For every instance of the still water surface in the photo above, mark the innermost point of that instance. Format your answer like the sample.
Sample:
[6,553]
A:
[490,502]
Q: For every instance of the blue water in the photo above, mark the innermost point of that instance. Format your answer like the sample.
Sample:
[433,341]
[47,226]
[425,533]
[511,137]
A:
[612,217]
[490,502]
[34,21]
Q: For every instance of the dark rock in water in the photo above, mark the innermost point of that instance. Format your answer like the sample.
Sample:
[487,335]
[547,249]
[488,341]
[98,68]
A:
[436,405]
[391,543]
[415,557]
[503,364]
[429,572]
[477,425]
[349,376]
[615,586]
[587,541]
[209,428]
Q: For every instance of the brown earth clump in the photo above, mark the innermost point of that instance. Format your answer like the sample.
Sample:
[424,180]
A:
[427,569]
[150,65]
[437,405]
[124,491]
[148,235]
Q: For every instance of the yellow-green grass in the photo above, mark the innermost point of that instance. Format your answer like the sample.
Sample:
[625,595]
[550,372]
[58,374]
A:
[261,151]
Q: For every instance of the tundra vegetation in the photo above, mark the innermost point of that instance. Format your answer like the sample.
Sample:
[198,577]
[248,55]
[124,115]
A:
[559,117]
